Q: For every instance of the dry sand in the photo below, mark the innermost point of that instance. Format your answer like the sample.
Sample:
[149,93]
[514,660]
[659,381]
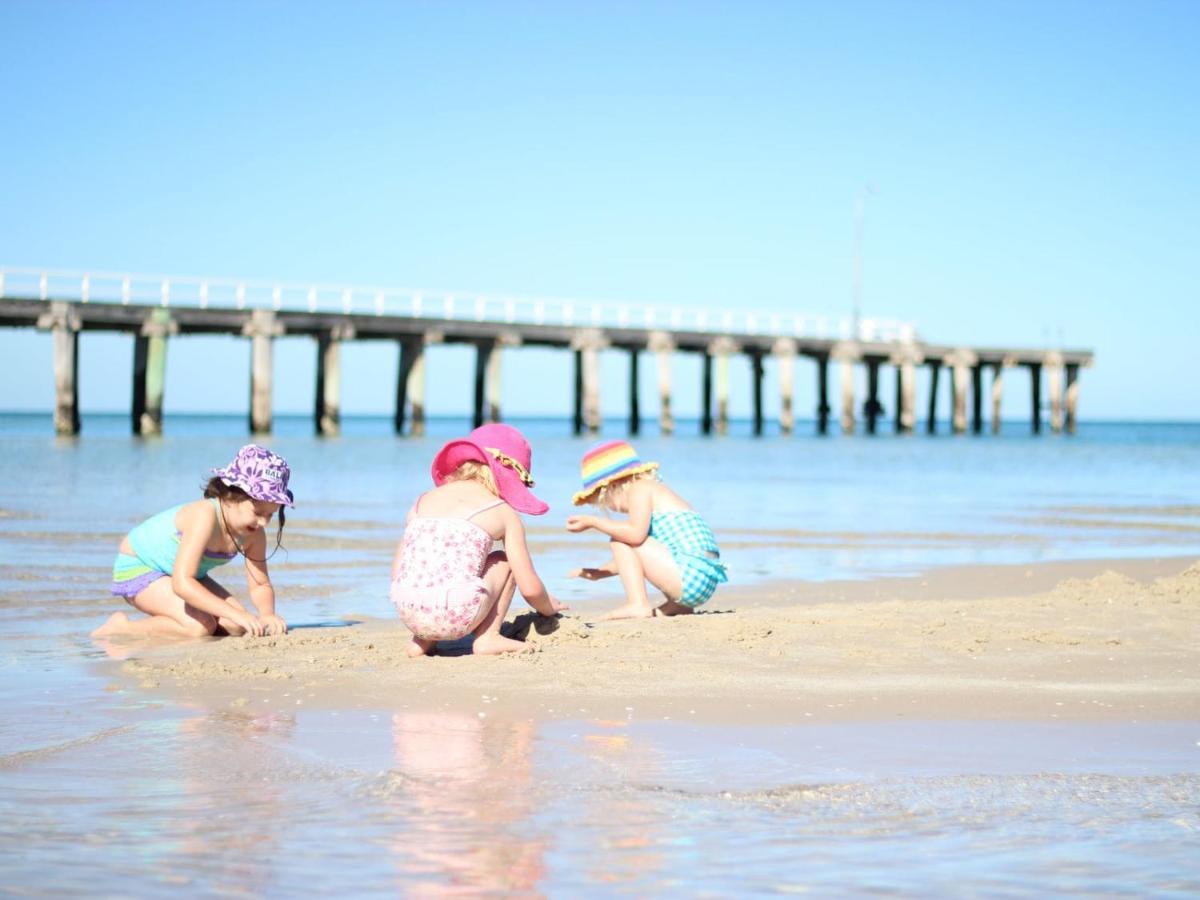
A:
[1048,642]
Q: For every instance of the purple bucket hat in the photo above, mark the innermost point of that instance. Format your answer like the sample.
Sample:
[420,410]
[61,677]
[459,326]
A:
[263,475]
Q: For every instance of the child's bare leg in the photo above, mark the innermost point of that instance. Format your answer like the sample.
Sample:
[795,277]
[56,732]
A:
[167,616]
[501,585]
[633,580]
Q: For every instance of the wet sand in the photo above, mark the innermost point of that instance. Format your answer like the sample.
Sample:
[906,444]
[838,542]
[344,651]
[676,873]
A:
[1083,641]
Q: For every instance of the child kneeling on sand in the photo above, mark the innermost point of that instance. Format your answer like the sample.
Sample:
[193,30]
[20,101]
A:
[446,580]
[162,565]
[664,541]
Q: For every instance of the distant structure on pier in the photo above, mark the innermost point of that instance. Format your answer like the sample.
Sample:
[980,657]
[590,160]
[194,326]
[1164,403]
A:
[155,309]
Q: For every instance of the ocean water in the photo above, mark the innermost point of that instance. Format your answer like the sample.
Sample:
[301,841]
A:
[105,789]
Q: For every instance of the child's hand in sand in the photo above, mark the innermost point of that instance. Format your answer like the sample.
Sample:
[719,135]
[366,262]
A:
[577,524]
[247,623]
[273,624]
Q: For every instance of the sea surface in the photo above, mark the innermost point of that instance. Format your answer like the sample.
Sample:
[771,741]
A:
[109,790]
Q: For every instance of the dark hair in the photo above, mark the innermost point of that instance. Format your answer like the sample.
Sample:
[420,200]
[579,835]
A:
[222,491]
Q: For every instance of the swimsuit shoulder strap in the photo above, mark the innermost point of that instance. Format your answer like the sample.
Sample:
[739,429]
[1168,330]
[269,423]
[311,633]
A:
[492,505]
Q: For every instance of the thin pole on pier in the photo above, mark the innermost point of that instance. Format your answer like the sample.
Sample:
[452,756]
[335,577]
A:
[935,368]
[756,373]
[1035,386]
[823,407]
[64,325]
[1072,395]
[635,413]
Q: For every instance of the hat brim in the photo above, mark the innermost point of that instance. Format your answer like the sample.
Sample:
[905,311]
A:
[508,483]
[586,496]
[284,499]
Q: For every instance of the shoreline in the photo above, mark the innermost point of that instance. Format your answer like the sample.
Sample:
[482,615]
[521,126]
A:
[1090,640]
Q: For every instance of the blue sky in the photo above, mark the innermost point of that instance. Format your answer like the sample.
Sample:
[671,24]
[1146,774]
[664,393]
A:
[1035,167]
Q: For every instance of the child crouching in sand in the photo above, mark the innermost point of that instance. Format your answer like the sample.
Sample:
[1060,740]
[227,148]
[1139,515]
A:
[162,565]
[446,580]
[664,541]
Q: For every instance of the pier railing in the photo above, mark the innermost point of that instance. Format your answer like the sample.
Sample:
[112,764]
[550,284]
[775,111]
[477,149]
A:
[225,293]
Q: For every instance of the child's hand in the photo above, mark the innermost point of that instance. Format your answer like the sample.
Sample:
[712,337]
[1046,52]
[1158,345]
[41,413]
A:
[555,606]
[577,524]
[273,624]
[589,574]
[248,623]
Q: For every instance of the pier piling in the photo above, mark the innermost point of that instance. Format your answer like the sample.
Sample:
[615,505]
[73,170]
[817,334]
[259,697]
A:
[1072,396]
[262,329]
[997,394]
[635,413]
[935,369]
[410,384]
[150,372]
[906,361]
[64,325]
[1035,388]
[721,349]
[846,354]
[706,395]
[756,374]
[784,351]
[976,398]
[1053,365]
[871,405]
[662,346]
[587,345]
[328,401]
[823,407]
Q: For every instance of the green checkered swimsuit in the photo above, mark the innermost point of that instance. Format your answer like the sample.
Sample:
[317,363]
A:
[694,550]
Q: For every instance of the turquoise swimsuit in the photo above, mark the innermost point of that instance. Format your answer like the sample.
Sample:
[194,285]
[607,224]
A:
[694,550]
[155,544]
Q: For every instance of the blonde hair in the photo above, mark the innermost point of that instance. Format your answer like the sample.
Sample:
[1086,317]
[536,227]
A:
[607,494]
[472,470]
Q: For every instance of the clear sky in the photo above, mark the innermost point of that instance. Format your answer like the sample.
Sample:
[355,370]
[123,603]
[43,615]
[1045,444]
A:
[1035,167]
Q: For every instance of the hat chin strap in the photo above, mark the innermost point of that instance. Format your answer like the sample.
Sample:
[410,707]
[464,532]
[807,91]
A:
[505,460]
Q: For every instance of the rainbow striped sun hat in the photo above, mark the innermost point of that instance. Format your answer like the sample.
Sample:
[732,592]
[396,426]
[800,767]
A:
[605,463]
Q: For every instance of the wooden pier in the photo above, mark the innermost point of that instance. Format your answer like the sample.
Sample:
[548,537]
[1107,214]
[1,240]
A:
[156,309]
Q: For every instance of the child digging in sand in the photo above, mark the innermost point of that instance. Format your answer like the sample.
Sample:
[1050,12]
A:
[446,580]
[664,541]
[163,564]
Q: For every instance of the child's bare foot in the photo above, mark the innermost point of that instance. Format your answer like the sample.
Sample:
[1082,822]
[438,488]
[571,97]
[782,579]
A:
[117,623]
[417,647]
[628,611]
[491,644]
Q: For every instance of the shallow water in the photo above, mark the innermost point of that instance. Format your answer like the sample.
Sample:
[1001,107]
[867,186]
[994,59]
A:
[118,791]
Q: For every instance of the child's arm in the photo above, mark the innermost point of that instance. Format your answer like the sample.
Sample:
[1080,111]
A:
[258,582]
[528,582]
[197,522]
[632,531]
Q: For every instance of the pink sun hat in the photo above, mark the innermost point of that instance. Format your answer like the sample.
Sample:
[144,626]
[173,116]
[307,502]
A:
[507,454]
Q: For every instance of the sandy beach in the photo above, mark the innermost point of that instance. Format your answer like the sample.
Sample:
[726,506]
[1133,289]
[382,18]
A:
[1094,641]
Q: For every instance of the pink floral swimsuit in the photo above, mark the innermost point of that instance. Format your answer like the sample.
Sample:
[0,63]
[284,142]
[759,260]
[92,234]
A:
[438,589]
